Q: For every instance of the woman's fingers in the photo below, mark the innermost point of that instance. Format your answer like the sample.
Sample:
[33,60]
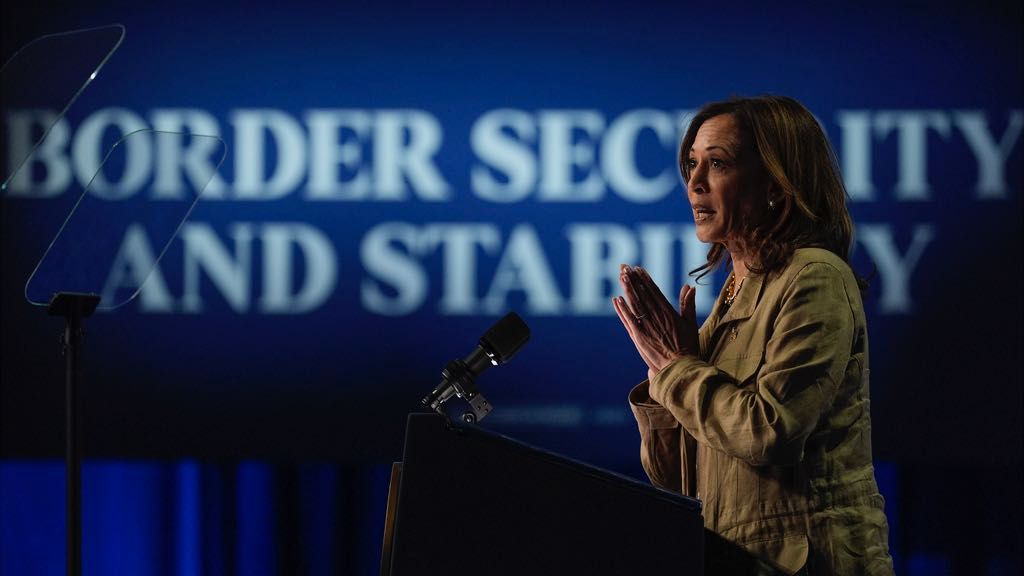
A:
[656,295]
[625,315]
[631,325]
[688,303]
[683,299]
[627,279]
[659,332]
[688,317]
[691,306]
[645,296]
[645,286]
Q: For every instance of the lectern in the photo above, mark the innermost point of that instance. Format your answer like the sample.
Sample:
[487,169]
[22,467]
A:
[468,501]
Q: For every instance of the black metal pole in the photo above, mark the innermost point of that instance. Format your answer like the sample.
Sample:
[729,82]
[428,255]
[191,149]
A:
[73,456]
[74,307]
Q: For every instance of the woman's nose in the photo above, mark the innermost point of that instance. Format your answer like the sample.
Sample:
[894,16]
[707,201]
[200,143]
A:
[698,183]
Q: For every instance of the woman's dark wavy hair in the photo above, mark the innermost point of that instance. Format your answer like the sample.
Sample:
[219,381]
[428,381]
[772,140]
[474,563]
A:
[798,159]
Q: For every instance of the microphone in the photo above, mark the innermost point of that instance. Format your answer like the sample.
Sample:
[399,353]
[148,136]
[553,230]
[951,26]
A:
[497,346]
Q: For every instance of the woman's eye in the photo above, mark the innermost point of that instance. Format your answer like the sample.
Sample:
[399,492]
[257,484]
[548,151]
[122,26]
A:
[691,163]
[716,163]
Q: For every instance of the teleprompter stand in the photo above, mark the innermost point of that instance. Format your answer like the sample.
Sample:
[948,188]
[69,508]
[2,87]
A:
[74,307]
[467,501]
[50,73]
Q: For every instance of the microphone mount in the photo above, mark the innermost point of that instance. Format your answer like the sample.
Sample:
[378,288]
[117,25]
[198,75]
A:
[458,379]
[462,385]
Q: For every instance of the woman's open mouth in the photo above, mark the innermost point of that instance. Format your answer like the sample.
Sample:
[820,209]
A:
[701,214]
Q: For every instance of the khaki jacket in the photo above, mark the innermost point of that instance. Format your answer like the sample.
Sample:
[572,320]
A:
[770,426]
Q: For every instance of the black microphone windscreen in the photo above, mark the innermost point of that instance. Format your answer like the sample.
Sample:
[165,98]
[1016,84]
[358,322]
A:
[506,337]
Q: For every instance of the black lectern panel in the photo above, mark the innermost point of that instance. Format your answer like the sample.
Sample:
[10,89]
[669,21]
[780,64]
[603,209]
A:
[475,502]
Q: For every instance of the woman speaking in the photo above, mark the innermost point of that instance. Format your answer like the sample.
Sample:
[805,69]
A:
[763,413]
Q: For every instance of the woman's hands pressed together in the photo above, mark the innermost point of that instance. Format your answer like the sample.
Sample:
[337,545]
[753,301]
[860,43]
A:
[660,334]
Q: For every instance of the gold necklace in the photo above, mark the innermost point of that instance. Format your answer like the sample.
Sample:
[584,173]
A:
[733,289]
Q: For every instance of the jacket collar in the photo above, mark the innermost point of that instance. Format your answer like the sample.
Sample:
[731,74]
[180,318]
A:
[745,302]
[742,307]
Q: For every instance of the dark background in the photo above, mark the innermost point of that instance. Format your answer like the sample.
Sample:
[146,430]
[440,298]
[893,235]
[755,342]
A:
[310,408]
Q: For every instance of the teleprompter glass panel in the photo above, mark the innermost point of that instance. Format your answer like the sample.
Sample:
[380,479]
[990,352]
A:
[39,83]
[126,219]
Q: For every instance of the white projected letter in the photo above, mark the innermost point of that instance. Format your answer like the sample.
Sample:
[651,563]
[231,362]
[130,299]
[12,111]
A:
[336,139]
[460,249]
[198,160]
[388,253]
[618,156]
[204,252]
[393,158]
[562,155]
[88,150]
[597,251]
[251,126]
[524,267]
[893,270]
[134,260]
[321,272]
[51,153]
[991,155]
[656,249]
[504,154]
[912,143]
[855,153]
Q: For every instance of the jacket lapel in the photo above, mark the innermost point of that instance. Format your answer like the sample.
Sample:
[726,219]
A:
[742,308]
[745,302]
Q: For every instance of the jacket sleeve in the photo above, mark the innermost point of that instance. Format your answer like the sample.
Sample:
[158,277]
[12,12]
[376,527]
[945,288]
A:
[659,440]
[768,421]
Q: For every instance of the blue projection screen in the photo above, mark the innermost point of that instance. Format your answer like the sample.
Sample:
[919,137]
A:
[399,177]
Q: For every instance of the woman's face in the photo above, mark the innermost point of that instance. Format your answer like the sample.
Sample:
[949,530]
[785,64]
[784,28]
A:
[725,176]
